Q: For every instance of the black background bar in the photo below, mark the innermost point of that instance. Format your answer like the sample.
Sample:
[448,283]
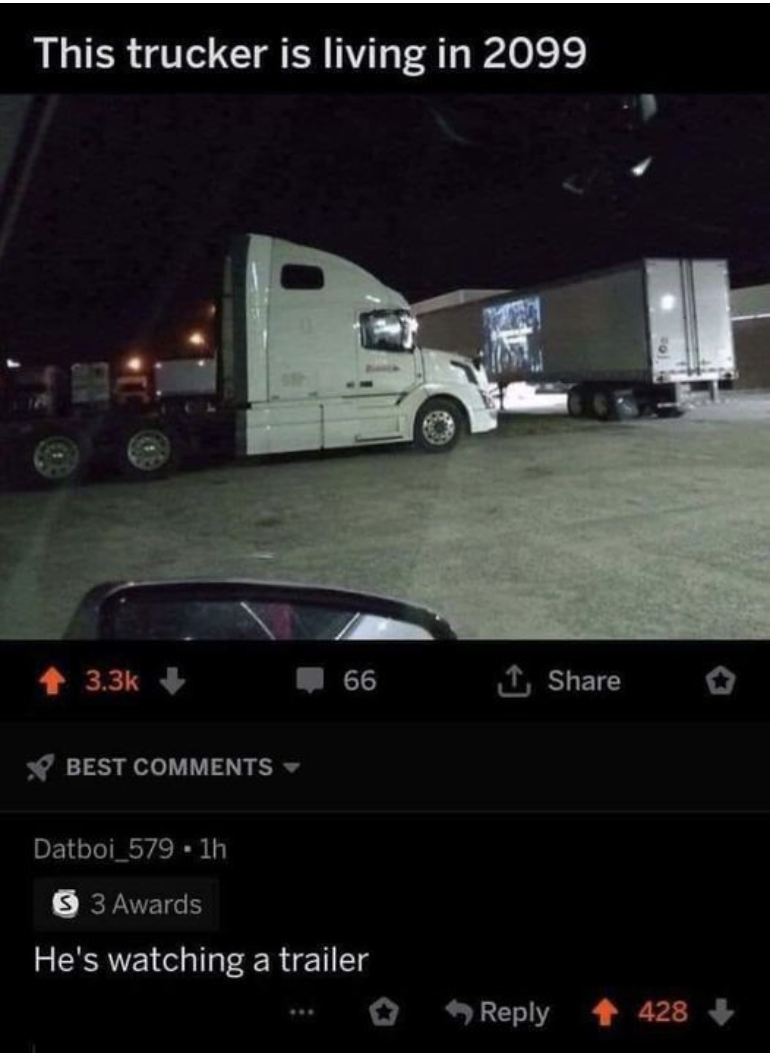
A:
[412,681]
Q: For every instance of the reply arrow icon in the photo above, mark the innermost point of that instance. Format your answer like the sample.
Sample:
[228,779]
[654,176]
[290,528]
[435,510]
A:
[460,1011]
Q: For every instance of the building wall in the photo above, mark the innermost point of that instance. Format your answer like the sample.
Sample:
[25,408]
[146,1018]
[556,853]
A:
[751,348]
[750,327]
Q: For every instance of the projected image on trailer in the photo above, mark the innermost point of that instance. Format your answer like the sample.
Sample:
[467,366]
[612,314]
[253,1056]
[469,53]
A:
[512,331]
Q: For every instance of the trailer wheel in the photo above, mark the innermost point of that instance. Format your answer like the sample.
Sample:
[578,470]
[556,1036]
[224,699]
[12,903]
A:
[627,406]
[149,451]
[603,405]
[577,402]
[438,425]
[54,457]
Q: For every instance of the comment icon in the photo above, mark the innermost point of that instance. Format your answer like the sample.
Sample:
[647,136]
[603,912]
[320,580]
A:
[309,678]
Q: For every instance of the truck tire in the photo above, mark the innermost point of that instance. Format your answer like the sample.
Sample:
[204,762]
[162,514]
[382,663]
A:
[670,411]
[149,451]
[576,402]
[438,425]
[627,406]
[602,404]
[54,457]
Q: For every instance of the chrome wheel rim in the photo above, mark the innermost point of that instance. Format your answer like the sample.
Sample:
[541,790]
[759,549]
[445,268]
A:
[439,428]
[149,450]
[56,458]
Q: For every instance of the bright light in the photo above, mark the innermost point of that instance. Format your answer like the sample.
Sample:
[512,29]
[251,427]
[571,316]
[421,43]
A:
[12,364]
[135,363]
[667,302]
[197,339]
[641,167]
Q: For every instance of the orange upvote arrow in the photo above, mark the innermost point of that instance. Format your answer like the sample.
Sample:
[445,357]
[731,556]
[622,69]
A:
[605,1012]
[52,680]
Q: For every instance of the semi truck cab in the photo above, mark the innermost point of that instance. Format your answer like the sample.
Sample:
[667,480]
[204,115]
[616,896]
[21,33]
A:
[318,353]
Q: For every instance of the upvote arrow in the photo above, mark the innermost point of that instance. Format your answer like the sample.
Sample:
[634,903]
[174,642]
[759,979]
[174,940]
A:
[53,681]
[605,1012]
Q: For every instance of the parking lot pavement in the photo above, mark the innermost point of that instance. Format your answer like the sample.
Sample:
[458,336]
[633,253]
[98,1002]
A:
[547,528]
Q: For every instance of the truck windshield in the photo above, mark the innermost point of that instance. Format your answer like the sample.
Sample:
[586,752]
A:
[388,330]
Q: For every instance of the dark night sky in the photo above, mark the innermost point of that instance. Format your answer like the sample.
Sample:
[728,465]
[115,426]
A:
[133,199]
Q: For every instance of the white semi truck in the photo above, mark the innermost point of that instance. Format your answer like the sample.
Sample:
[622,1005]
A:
[315,353]
[626,341]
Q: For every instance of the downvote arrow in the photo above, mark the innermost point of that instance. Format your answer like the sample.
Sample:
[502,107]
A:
[721,1012]
[172,681]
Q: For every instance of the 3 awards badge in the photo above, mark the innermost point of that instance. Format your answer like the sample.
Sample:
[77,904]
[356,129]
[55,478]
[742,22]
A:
[65,903]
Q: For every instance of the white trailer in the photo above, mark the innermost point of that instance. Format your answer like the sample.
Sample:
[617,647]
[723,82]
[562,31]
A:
[315,353]
[625,341]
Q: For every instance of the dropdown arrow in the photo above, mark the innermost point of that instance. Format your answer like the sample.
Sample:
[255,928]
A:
[291,766]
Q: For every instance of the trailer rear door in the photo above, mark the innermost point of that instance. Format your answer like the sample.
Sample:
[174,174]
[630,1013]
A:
[712,313]
[689,321]
[671,349]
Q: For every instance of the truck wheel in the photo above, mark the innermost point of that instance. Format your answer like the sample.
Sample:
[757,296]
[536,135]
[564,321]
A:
[577,402]
[438,425]
[670,411]
[55,457]
[603,405]
[627,407]
[149,451]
